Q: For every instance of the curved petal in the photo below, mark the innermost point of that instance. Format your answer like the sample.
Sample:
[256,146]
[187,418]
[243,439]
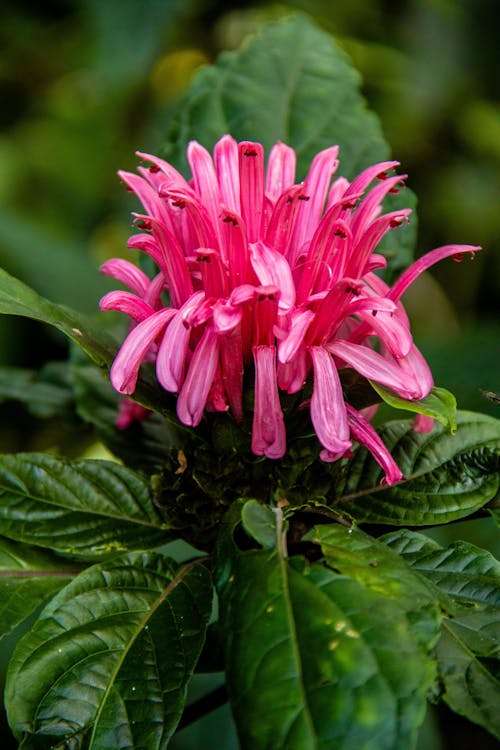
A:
[199,379]
[125,368]
[128,273]
[328,410]
[363,432]
[127,303]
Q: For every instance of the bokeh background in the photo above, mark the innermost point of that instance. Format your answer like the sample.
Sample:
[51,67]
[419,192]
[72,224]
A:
[84,83]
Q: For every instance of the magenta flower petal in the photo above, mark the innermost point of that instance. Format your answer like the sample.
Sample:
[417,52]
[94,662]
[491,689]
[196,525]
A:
[228,172]
[127,273]
[125,368]
[127,303]
[363,432]
[199,379]
[280,173]
[328,409]
[272,269]
[376,367]
[425,262]
[172,352]
[268,433]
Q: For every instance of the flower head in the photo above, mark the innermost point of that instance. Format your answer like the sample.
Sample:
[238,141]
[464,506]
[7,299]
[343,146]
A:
[271,276]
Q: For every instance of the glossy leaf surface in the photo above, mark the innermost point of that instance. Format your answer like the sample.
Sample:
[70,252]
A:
[107,663]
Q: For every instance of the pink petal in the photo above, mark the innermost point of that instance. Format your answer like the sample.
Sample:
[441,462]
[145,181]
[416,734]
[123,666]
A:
[268,432]
[272,269]
[280,173]
[127,303]
[316,187]
[199,379]
[328,409]
[422,423]
[205,180]
[374,366]
[127,273]
[172,352]
[425,262]
[228,173]
[299,323]
[125,368]
[251,161]
[363,432]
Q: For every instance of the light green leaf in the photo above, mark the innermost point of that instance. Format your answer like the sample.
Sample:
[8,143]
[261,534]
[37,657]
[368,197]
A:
[85,508]
[440,404]
[27,578]
[468,663]
[463,571]
[291,83]
[107,663]
[447,476]
[313,658]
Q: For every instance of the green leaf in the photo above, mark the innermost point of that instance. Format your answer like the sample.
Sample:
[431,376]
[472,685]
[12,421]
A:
[18,299]
[107,663]
[358,555]
[468,663]
[440,404]
[85,508]
[259,522]
[463,571]
[291,83]
[27,578]
[447,476]
[314,658]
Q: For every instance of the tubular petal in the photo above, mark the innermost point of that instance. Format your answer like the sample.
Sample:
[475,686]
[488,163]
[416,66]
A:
[328,409]
[268,432]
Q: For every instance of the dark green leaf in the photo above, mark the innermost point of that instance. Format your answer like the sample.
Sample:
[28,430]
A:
[469,666]
[290,83]
[259,522]
[27,578]
[462,570]
[314,658]
[85,508]
[45,394]
[447,476]
[439,404]
[18,299]
[107,663]
[368,561]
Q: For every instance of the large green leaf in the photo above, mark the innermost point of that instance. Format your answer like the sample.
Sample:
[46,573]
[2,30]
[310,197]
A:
[290,83]
[18,299]
[462,570]
[468,655]
[447,476]
[86,508]
[107,663]
[314,658]
[27,578]
[358,555]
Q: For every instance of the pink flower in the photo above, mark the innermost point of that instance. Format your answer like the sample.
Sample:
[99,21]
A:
[277,278]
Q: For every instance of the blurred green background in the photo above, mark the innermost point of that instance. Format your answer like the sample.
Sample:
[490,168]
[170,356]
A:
[84,83]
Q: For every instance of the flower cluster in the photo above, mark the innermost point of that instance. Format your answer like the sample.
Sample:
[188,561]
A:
[267,275]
